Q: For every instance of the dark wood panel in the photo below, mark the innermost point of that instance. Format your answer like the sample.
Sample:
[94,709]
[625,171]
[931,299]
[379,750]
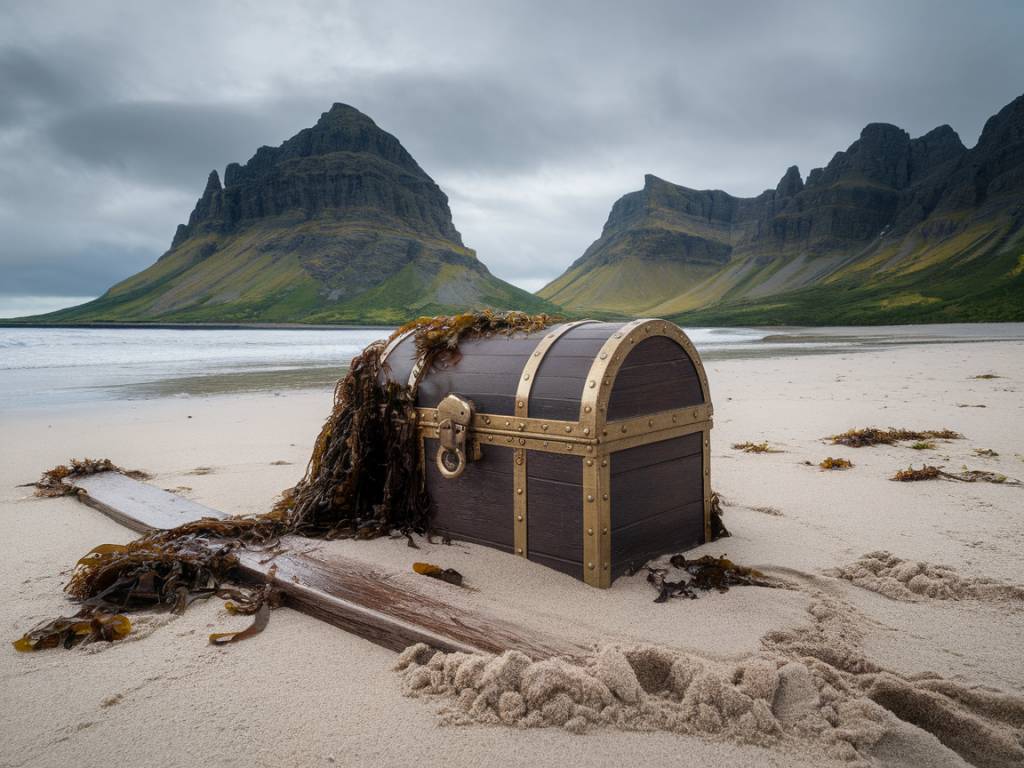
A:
[477,505]
[656,375]
[554,466]
[642,493]
[657,496]
[552,408]
[555,510]
[655,453]
[673,530]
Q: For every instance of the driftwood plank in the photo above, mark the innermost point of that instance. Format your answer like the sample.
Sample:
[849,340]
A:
[368,601]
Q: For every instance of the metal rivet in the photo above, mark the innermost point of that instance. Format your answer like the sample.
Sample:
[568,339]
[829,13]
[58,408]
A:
[706,472]
[487,419]
[590,531]
[521,426]
[590,449]
[568,429]
[526,377]
[520,550]
[618,336]
[590,566]
[587,409]
[522,441]
[519,518]
[590,462]
[586,430]
[544,427]
[604,531]
[592,384]
[606,566]
[519,491]
[490,438]
[568,446]
[536,354]
[604,431]
[604,355]
[520,403]
[623,429]
[650,422]
[605,497]
[590,497]
[508,423]
[674,418]
[604,462]
[508,439]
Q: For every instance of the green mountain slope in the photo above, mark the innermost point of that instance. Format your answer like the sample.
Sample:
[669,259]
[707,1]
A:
[337,225]
[893,230]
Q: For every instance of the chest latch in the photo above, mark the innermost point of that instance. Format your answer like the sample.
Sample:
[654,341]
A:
[454,419]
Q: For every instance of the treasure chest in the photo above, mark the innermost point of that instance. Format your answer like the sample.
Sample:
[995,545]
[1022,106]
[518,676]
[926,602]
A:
[584,447]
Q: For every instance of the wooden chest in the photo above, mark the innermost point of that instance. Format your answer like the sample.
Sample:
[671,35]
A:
[584,447]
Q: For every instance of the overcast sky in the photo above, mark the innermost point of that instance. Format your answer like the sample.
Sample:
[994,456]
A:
[533,117]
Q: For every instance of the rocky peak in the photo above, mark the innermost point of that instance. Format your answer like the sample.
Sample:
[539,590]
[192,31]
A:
[933,150]
[881,155]
[1005,127]
[344,164]
[791,183]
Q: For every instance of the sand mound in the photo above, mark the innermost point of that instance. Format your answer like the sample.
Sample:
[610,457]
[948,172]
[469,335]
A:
[810,686]
[910,580]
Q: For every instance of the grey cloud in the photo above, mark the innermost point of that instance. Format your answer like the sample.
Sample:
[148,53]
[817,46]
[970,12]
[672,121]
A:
[533,117]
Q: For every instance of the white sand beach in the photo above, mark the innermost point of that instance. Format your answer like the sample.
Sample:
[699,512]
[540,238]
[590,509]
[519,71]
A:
[305,694]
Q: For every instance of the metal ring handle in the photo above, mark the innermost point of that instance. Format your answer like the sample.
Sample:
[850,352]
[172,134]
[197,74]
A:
[451,474]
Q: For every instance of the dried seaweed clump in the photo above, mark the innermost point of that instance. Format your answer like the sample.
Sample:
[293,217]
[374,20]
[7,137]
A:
[749,447]
[859,438]
[966,476]
[52,484]
[830,463]
[926,472]
[704,573]
[363,480]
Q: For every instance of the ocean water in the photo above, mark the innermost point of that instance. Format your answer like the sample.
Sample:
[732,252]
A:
[47,367]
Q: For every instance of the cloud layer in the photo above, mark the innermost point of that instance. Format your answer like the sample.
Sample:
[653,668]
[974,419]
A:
[533,117]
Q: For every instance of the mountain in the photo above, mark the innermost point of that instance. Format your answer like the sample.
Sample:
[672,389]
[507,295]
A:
[337,225]
[894,229]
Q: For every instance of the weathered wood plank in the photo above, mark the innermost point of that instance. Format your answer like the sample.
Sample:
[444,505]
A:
[368,601]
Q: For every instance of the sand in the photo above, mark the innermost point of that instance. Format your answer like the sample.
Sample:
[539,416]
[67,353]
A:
[817,674]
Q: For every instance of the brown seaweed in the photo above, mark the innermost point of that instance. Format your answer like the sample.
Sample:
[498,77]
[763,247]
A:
[859,438]
[966,476]
[51,484]
[704,573]
[749,447]
[830,463]
[926,472]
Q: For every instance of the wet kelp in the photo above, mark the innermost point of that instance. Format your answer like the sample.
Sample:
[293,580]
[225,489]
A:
[704,573]
[363,480]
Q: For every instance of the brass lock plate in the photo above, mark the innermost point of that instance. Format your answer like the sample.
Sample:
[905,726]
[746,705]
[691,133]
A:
[454,417]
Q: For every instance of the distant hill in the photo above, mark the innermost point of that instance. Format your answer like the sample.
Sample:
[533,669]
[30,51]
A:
[337,225]
[894,229]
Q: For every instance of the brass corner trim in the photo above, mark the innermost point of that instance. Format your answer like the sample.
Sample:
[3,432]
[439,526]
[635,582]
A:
[597,521]
[601,377]
[706,477]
